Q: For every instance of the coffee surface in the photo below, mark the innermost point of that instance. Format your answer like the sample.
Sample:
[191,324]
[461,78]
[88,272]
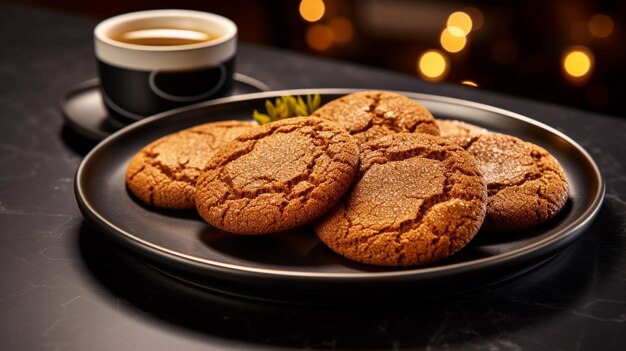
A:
[163,37]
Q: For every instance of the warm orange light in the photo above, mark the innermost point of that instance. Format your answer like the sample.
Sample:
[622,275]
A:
[453,39]
[312,10]
[601,26]
[577,63]
[319,37]
[433,65]
[470,83]
[456,31]
[460,20]
[342,29]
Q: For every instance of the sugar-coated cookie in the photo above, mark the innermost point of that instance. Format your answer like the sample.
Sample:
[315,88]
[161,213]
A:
[368,115]
[453,128]
[278,176]
[416,199]
[164,173]
[526,184]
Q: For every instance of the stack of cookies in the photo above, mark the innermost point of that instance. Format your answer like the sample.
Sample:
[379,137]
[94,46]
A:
[379,179]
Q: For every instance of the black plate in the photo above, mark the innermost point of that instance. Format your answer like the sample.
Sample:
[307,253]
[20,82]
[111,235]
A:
[296,266]
[84,111]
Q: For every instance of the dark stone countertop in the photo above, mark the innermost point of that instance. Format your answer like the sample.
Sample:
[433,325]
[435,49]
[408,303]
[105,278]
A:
[62,287]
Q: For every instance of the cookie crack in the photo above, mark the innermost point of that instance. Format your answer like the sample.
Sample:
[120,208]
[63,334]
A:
[419,124]
[427,204]
[132,176]
[272,187]
[174,173]
[542,171]
[494,188]
[151,195]
[399,229]
[201,132]
[234,156]
[288,189]
[253,138]
[380,119]
[377,118]
[552,202]
[396,156]
[467,142]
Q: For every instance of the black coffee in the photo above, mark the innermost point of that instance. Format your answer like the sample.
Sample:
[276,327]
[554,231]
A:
[163,37]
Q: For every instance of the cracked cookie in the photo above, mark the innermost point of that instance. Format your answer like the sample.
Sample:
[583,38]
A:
[164,173]
[278,176]
[526,184]
[453,128]
[416,199]
[371,114]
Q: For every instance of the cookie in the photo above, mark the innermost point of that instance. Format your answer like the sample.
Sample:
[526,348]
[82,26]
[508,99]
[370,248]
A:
[279,176]
[371,114]
[452,128]
[526,184]
[416,199]
[164,173]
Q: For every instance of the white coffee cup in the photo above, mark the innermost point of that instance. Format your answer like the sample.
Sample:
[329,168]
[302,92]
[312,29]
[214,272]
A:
[156,60]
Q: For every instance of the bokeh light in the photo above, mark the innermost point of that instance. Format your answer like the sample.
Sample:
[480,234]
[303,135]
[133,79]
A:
[601,26]
[460,20]
[312,10]
[577,63]
[433,65]
[470,83]
[342,29]
[319,37]
[452,39]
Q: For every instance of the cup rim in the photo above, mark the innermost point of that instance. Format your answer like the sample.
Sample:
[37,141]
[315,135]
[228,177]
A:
[101,30]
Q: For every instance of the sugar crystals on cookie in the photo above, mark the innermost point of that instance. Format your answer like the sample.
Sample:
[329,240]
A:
[417,199]
[278,176]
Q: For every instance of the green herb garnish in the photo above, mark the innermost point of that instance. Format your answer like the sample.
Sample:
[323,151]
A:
[287,106]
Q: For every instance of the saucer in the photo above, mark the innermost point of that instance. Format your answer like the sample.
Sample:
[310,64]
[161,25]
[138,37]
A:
[84,111]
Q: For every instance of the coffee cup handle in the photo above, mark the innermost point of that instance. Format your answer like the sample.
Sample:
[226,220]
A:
[177,98]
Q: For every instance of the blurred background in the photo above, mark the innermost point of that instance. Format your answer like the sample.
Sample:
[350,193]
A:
[567,52]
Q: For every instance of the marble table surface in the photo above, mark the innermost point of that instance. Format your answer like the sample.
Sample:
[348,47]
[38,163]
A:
[65,287]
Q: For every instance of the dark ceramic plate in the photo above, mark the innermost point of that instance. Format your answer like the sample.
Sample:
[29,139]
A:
[296,266]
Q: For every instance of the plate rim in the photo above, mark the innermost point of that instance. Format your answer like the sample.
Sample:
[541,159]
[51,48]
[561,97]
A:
[547,245]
